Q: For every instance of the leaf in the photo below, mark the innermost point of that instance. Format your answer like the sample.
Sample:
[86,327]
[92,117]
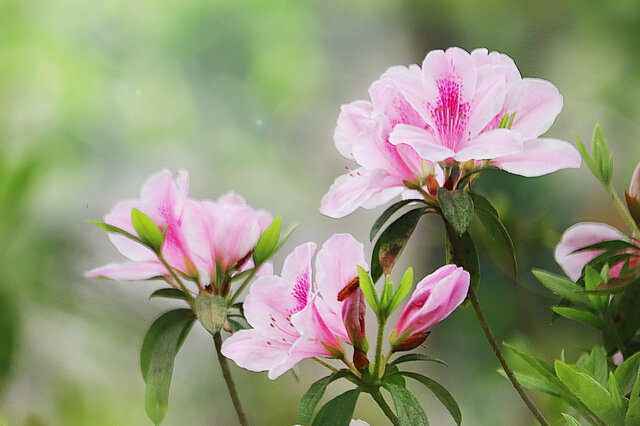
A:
[392,241]
[440,392]
[169,293]
[267,243]
[562,286]
[403,289]
[570,420]
[159,348]
[115,230]
[368,290]
[490,219]
[285,237]
[579,315]
[338,411]
[392,376]
[586,388]
[457,208]
[609,245]
[9,321]
[417,357]
[534,383]
[620,402]
[407,406]
[314,394]
[384,217]
[465,255]
[626,373]
[211,311]
[385,298]
[148,231]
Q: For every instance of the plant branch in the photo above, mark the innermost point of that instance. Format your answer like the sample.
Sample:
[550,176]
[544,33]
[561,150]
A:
[379,365]
[378,398]
[231,386]
[623,210]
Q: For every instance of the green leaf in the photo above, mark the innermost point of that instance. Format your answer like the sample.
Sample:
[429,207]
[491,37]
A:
[392,376]
[148,231]
[267,243]
[579,315]
[211,311]
[369,291]
[586,388]
[159,348]
[314,394]
[235,325]
[562,286]
[115,230]
[440,392]
[384,217]
[392,241]
[570,420]
[465,254]
[619,401]
[587,158]
[407,406]
[417,357]
[285,237]
[9,321]
[610,245]
[627,372]
[457,208]
[602,156]
[490,219]
[403,289]
[534,383]
[169,293]
[338,411]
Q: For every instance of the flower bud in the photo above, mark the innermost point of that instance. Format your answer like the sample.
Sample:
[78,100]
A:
[353,316]
[633,196]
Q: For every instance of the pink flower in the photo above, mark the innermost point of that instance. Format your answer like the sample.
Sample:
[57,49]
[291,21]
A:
[163,200]
[292,320]
[434,298]
[226,231]
[582,235]
[449,110]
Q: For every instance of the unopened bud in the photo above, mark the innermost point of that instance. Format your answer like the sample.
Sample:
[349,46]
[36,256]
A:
[432,185]
[411,342]
[360,359]
[633,196]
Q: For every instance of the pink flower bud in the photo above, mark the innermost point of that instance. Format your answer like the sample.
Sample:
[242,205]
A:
[633,196]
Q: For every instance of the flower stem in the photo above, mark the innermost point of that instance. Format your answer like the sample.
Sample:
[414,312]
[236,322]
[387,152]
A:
[184,288]
[379,365]
[324,363]
[377,397]
[243,285]
[623,210]
[496,351]
[231,386]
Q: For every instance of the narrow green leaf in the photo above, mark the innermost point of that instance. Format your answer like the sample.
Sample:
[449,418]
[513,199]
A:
[457,208]
[534,383]
[570,420]
[627,372]
[465,254]
[9,323]
[115,230]
[385,298]
[403,289]
[285,237]
[611,245]
[148,231]
[338,411]
[169,293]
[490,219]
[392,376]
[386,215]
[587,158]
[369,291]
[619,401]
[417,357]
[602,156]
[440,392]
[235,325]
[407,406]
[562,286]
[579,315]
[211,311]
[314,394]
[267,242]
[159,348]
[392,241]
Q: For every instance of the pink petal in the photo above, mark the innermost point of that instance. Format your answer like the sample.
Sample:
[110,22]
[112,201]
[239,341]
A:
[268,308]
[582,235]
[354,118]
[356,188]
[132,271]
[409,82]
[303,348]
[250,350]
[388,99]
[455,64]
[120,216]
[488,100]
[168,199]
[536,104]
[491,144]
[421,141]
[539,157]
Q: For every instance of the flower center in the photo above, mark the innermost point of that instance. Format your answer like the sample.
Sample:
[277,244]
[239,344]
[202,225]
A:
[450,115]
[300,292]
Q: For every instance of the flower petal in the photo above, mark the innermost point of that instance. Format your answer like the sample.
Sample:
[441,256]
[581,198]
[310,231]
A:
[536,104]
[540,157]
[421,141]
[491,144]
[250,350]
[131,271]
[354,118]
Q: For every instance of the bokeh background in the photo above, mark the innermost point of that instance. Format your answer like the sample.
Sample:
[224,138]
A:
[95,96]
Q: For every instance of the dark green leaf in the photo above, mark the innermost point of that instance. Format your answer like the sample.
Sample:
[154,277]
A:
[440,392]
[473,172]
[312,397]
[562,286]
[211,311]
[392,376]
[267,242]
[611,245]
[8,332]
[457,208]
[392,241]
[490,219]
[417,357]
[148,231]
[115,230]
[384,217]
[338,411]
[463,253]
[579,315]
[627,372]
[159,348]
[407,406]
[169,293]
[235,325]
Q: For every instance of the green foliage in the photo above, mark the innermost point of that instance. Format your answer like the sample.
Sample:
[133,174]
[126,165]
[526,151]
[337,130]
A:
[368,290]
[148,231]
[403,289]
[314,394]
[115,230]
[267,243]
[416,357]
[338,411]
[440,392]
[8,334]
[457,208]
[462,251]
[600,162]
[159,348]
[386,215]
[211,311]
[407,406]
[169,293]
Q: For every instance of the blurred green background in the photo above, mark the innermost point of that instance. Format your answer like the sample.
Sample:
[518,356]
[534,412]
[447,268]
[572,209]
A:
[95,96]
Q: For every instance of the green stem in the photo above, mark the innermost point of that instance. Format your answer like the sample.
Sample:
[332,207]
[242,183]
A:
[231,386]
[243,285]
[379,365]
[324,363]
[623,210]
[496,351]
[377,397]
[184,288]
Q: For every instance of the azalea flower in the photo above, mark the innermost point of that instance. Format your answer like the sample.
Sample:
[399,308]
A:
[434,298]
[291,318]
[163,200]
[446,112]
